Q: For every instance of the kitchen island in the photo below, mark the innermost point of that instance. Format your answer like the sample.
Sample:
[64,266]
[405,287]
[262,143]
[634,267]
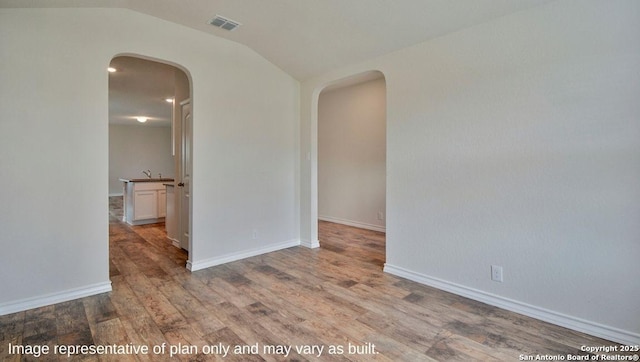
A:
[145,200]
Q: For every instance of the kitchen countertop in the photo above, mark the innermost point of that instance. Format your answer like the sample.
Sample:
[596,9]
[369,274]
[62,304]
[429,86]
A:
[164,179]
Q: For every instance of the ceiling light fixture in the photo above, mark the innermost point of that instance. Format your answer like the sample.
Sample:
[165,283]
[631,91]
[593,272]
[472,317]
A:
[142,119]
[169,100]
[111,70]
[224,23]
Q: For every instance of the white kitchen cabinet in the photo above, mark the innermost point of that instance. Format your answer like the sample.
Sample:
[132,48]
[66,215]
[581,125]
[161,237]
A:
[145,204]
[145,201]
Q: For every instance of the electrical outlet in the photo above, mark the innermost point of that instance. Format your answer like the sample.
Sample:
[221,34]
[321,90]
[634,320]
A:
[496,273]
[380,215]
[254,235]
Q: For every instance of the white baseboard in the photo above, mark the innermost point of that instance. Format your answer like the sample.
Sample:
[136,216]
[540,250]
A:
[563,320]
[174,242]
[118,194]
[53,298]
[357,224]
[240,255]
[310,244]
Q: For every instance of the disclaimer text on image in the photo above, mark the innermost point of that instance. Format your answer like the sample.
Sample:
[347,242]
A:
[172,350]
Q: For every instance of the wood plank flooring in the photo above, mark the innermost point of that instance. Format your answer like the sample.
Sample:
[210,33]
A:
[333,297]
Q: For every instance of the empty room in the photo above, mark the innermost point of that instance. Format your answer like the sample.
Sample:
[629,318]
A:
[413,180]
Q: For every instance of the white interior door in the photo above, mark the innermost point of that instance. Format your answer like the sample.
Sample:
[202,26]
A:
[184,188]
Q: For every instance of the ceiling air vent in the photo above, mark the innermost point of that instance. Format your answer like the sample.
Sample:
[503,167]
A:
[224,23]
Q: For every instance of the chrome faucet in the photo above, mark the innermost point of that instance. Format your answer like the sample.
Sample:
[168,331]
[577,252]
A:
[147,173]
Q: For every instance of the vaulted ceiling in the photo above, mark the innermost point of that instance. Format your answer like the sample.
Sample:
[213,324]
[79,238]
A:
[306,38]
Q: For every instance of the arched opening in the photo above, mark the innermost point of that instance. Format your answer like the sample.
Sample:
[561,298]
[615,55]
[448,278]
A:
[351,165]
[150,149]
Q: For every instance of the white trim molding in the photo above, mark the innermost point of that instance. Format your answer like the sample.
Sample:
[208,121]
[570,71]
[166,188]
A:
[310,244]
[198,265]
[358,224]
[563,320]
[53,298]
[175,242]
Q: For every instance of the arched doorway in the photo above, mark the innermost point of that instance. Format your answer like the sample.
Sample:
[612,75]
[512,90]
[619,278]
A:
[157,150]
[351,168]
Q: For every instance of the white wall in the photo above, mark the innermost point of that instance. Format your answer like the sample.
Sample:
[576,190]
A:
[516,143]
[351,154]
[54,146]
[137,148]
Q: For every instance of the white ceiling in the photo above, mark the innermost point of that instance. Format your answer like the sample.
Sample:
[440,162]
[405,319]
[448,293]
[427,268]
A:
[305,38]
[140,88]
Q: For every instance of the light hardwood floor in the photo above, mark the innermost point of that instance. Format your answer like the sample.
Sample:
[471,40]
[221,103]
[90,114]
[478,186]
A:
[332,296]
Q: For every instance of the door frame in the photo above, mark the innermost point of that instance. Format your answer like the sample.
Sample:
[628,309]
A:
[180,167]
